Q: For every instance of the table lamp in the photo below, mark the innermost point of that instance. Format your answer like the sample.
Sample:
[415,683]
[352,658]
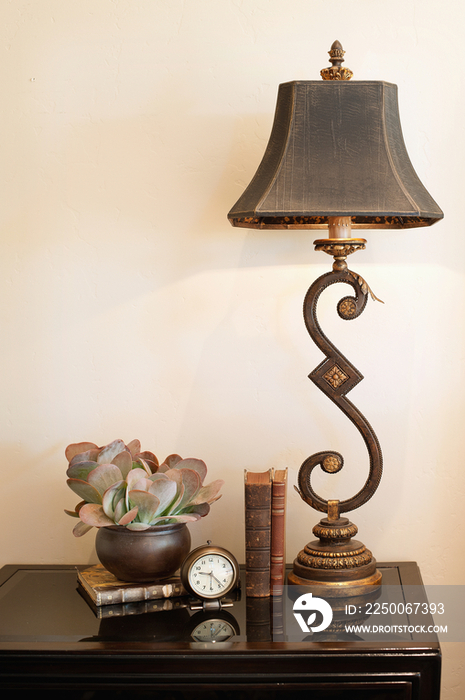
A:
[336,160]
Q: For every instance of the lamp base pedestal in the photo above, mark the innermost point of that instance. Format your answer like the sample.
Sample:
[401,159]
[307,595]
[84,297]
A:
[335,566]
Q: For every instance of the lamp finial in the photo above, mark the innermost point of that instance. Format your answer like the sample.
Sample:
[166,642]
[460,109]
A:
[336,72]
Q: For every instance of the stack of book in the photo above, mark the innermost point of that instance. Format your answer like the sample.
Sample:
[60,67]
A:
[265,510]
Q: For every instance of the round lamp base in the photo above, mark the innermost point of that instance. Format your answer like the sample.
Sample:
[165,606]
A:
[336,565]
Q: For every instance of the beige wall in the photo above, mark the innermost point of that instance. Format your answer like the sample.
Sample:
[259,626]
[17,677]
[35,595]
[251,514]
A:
[130,308]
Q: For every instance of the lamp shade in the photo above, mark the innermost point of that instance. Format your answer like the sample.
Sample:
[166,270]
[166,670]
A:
[336,149]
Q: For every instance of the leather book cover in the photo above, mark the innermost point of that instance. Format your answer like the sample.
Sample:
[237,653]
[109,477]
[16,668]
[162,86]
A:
[142,607]
[257,533]
[105,589]
[278,531]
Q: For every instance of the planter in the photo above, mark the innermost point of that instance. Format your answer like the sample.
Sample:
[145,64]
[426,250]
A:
[145,555]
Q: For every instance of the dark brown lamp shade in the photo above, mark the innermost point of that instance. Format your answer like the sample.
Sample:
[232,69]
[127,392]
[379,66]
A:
[336,149]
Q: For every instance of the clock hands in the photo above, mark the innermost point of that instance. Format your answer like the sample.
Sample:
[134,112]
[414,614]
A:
[212,576]
[217,580]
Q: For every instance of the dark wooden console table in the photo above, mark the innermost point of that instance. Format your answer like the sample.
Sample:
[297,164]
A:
[50,638]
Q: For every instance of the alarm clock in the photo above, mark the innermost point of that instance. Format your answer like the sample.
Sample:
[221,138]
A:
[210,572]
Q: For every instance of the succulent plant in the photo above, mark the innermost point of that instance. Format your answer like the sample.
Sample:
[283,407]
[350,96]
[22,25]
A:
[120,484]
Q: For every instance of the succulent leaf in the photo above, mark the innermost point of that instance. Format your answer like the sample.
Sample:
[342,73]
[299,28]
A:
[201,509]
[171,519]
[172,460]
[111,498]
[174,475]
[120,509]
[123,461]
[137,526]
[129,516]
[208,493]
[104,476]
[88,456]
[147,503]
[196,464]
[84,490]
[143,464]
[150,459]
[142,484]
[79,506]
[81,528]
[179,497]
[109,452]
[134,447]
[77,447]
[159,476]
[93,515]
[165,490]
[191,482]
[134,476]
[80,470]
[72,513]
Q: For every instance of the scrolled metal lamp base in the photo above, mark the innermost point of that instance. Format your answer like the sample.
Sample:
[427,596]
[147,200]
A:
[337,565]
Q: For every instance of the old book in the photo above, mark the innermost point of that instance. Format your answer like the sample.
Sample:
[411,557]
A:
[105,589]
[278,530]
[139,608]
[257,533]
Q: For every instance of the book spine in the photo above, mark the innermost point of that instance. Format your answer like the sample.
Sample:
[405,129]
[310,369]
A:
[132,594]
[278,513]
[257,539]
[160,590]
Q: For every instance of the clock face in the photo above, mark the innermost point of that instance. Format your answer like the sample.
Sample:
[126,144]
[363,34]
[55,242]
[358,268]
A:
[212,575]
[213,630]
